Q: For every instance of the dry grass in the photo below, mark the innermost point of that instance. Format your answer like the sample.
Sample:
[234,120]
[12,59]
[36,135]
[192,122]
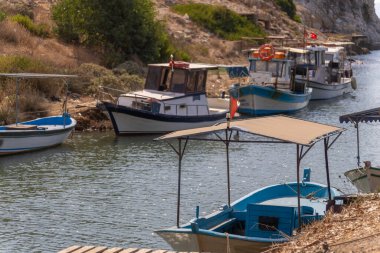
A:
[31,103]
[355,229]
[15,33]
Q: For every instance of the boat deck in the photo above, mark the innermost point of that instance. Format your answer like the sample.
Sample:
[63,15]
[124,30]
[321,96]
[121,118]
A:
[102,249]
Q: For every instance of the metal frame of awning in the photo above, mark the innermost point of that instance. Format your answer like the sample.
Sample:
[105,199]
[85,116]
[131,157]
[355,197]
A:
[225,136]
[19,76]
[371,115]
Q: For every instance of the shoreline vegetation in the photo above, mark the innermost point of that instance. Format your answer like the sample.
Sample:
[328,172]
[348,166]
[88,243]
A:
[37,38]
[355,229]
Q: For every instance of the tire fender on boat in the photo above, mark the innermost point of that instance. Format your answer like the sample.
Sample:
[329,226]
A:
[354,85]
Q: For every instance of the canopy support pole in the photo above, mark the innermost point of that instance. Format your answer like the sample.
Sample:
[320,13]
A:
[357,142]
[17,99]
[326,144]
[298,186]
[227,142]
[180,152]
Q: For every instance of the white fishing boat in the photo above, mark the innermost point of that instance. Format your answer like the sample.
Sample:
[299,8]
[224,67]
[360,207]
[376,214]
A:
[326,70]
[174,98]
[271,88]
[39,133]
[365,178]
[263,217]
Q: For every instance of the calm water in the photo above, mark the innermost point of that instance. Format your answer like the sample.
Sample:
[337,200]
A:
[101,190]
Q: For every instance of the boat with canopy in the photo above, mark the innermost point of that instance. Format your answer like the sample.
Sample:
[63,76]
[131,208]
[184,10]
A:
[365,178]
[265,216]
[38,133]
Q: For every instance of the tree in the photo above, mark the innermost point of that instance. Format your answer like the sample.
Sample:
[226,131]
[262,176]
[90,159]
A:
[120,27]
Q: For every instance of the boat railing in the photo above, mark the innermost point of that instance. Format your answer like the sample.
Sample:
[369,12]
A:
[154,106]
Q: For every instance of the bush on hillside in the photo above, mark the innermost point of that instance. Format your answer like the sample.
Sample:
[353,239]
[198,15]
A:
[2,16]
[98,76]
[289,7]
[219,20]
[119,28]
[40,30]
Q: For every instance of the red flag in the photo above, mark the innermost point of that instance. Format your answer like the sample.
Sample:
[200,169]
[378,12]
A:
[313,36]
[233,107]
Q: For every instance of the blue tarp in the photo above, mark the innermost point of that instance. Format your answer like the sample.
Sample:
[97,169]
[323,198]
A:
[237,71]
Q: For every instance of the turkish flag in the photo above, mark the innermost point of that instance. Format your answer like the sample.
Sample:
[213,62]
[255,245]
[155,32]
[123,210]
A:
[313,36]
[233,106]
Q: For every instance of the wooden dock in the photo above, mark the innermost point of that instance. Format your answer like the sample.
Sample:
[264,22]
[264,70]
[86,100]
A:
[101,249]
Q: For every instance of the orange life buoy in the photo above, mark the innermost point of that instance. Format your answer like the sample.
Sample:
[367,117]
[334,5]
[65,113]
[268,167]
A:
[266,52]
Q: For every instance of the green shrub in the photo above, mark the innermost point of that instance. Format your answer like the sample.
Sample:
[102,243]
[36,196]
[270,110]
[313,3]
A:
[289,7]
[2,16]
[219,20]
[41,30]
[120,28]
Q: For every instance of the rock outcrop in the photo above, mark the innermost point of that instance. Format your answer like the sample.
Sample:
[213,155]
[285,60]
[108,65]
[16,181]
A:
[342,16]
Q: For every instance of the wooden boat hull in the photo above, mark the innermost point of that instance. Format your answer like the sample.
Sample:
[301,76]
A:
[328,91]
[126,121]
[260,100]
[42,136]
[190,242]
[365,180]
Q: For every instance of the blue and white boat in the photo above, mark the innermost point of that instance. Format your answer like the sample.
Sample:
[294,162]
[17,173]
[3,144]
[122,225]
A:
[271,89]
[39,133]
[174,98]
[35,134]
[325,69]
[268,215]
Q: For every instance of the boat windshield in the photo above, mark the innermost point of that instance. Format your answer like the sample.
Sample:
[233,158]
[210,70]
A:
[276,68]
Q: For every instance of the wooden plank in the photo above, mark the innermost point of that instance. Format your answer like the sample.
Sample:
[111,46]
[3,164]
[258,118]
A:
[159,251]
[97,250]
[84,249]
[113,250]
[130,250]
[70,249]
[144,251]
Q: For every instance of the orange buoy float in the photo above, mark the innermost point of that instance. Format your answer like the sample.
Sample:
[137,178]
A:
[279,55]
[266,52]
[255,54]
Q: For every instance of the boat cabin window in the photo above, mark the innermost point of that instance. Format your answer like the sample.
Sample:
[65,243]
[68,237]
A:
[153,78]
[178,80]
[274,67]
[329,57]
[196,81]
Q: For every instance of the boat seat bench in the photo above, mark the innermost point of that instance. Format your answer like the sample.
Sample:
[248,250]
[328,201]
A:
[224,224]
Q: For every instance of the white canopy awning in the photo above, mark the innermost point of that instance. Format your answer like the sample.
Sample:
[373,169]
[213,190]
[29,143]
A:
[281,128]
